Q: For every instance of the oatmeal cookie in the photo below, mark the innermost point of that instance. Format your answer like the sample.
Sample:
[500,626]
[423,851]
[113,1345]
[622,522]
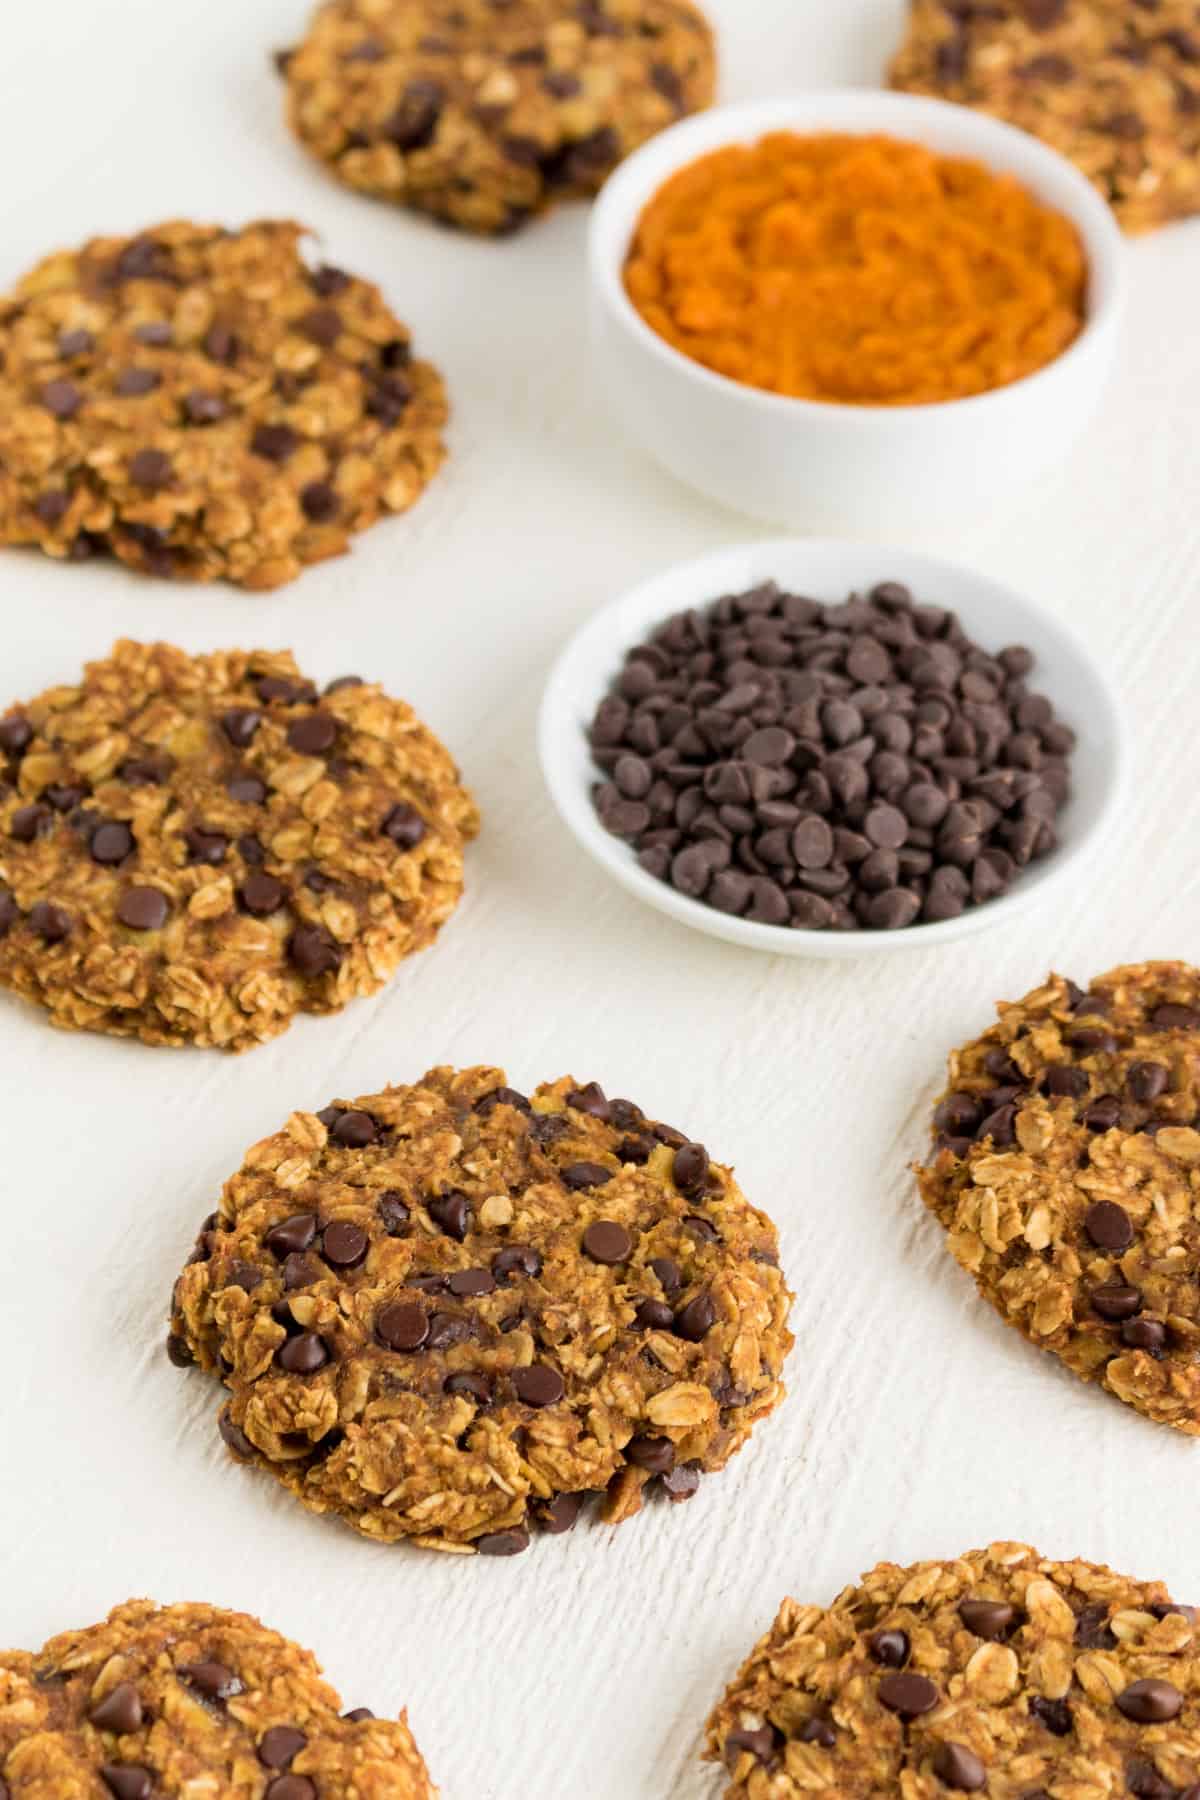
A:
[193,849]
[202,403]
[1066,1171]
[1113,84]
[483,114]
[448,1311]
[998,1673]
[176,1702]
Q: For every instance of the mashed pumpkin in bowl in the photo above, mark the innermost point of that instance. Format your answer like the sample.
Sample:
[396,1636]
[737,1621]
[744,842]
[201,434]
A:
[864,270]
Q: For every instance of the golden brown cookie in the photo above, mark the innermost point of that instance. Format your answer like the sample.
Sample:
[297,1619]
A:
[203,403]
[195,849]
[998,1673]
[1113,84]
[485,114]
[1066,1171]
[184,1702]
[447,1311]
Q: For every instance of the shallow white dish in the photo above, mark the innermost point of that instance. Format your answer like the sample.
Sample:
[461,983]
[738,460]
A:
[813,465]
[828,570]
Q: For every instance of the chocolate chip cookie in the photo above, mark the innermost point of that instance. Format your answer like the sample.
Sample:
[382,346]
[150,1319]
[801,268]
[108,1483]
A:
[193,849]
[997,1673]
[484,114]
[449,1312]
[176,1702]
[1066,1171]
[204,403]
[1113,84]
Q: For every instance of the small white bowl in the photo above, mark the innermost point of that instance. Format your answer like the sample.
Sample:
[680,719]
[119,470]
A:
[827,570]
[818,466]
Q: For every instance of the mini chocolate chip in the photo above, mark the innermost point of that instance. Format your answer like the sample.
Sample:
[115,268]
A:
[1146,1081]
[394,1214]
[581,1175]
[669,1273]
[590,1099]
[478,1387]
[120,1710]
[234,1438]
[1145,1334]
[261,895]
[205,846]
[1175,1018]
[1092,1629]
[111,843]
[819,1729]
[501,1096]
[450,1212]
[654,1454]
[1092,1040]
[247,790]
[354,1130]
[132,383]
[240,724]
[296,1233]
[31,822]
[215,1680]
[502,1543]
[607,1242]
[127,1781]
[908,1695]
[760,1741]
[313,735]
[991,1620]
[560,1514]
[313,951]
[1108,1225]
[654,1315]
[143,909]
[344,1244]
[405,826]
[1061,1081]
[690,1168]
[1055,1715]
[694,1320]
[516,1259]
[280,1745]
[539,1385]
[275,443]
[10,912]
[291,1787]
[52,923]
[150,469]
[1114,1301]
[467,1284]
[62,398]
[204,408]
[1103,1113]
[75,343]
[959,1768]
[891,1648]
[16,735]
[403,1326]
[1150,1702]
[319,502]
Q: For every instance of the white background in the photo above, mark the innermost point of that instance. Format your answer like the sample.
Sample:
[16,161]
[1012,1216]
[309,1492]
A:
[916,1425]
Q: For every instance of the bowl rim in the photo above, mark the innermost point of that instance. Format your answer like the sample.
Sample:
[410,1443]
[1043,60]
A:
[619,206]
[643,605]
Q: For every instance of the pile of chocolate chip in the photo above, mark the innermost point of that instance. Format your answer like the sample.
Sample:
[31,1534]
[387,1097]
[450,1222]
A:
[830,768]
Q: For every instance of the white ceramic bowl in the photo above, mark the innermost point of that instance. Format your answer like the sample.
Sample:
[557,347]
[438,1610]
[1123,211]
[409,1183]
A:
[818,466]
[827,570]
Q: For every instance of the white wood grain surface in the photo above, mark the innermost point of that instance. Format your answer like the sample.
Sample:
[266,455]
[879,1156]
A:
[916,1424]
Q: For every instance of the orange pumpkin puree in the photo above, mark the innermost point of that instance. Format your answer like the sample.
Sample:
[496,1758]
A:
[864,270]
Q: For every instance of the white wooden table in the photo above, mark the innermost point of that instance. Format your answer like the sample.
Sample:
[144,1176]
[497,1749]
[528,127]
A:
[917,1425]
